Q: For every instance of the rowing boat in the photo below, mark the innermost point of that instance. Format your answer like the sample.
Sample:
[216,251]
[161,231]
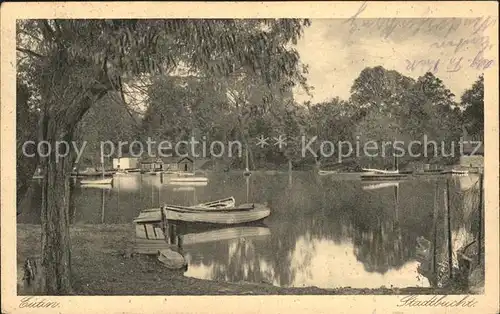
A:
[235,215]
[154,214]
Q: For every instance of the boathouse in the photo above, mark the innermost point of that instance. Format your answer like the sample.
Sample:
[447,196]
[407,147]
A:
[185,164]
[151,164]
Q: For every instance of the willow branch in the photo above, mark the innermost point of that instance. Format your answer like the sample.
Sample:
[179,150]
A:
[30,52]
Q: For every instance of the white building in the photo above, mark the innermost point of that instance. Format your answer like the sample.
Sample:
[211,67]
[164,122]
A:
[125,163]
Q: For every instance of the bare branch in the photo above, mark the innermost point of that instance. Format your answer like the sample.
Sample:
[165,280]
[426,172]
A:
[30,52]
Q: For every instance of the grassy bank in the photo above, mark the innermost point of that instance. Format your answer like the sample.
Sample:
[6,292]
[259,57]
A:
[102,264]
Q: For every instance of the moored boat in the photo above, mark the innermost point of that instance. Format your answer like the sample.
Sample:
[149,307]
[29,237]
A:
[326,172]
[380,185]
[154,214]
[97,186]
[380,171]
[235,215]
[455,172]
[97,181]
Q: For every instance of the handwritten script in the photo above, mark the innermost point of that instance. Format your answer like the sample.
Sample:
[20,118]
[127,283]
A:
[437,301]
[34,302]
[456,43]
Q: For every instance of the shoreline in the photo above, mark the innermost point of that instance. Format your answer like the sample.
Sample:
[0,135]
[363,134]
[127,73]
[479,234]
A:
[103,264]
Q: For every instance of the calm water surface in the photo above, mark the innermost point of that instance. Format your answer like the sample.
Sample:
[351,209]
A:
[322,231]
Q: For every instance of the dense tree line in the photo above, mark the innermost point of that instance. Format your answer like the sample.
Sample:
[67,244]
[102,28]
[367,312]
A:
[384,106]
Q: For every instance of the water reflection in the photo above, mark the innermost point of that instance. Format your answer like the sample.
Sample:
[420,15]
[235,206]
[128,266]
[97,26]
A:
[323,231]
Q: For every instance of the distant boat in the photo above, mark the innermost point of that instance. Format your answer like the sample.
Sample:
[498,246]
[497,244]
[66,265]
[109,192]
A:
[188,179]
[383,175]
[241,214]
[154,214]
[380,185]
[97,186]
[326,172]
[456,172]
[380,171]
[97,181]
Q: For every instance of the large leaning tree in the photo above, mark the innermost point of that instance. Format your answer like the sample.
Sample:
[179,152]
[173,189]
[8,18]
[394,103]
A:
[71,64]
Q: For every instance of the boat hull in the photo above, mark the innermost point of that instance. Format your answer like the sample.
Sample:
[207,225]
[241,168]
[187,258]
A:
[228,217]
[154,214]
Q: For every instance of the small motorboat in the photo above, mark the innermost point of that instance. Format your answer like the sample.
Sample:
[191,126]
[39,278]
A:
[97,181]
[154,214]
[234,215]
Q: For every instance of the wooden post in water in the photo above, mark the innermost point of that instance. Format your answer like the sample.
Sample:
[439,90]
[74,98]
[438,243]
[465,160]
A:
[102,211]
[435,220]
[247,179]
[448,217]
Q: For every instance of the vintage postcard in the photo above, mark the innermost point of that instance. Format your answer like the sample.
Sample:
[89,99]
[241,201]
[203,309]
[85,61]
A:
[289,157]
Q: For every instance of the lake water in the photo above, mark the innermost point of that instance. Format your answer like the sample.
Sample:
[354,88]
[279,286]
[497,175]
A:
[322,231]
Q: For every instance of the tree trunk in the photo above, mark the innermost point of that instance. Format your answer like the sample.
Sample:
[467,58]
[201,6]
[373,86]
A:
[56,253]
[56,249]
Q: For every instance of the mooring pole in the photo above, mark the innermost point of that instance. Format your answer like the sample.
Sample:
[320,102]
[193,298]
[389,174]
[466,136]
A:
[448,216]
[480,231]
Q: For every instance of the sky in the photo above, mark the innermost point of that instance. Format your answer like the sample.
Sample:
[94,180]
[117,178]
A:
[337,50]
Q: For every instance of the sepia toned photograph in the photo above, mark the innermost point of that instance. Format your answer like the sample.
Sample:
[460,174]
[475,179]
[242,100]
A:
[252,156]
